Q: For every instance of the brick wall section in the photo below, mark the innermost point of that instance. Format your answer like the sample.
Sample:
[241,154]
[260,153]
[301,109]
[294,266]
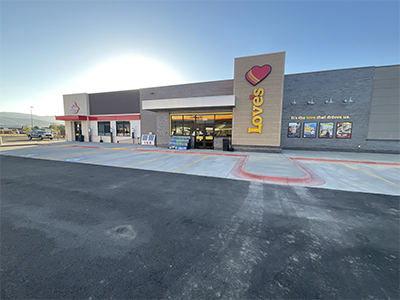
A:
[148,121]
[162,132]
[321,86]
[356,83]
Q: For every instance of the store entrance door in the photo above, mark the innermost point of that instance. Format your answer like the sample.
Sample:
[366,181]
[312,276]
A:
[205,136]
[77,130]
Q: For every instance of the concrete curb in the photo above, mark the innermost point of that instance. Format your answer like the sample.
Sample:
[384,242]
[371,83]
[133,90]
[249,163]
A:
[31,144]
[19,145]
[310,178]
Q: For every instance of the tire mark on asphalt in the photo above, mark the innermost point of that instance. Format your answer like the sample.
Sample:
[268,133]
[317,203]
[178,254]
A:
[231,278]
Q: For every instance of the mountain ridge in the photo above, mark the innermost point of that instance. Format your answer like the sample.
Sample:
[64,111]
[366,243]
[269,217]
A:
[16,119]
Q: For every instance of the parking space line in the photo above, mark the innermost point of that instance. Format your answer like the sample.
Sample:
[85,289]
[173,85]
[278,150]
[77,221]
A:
[69,155]
[105,159]
[191,163]
[150,160]
[369,174]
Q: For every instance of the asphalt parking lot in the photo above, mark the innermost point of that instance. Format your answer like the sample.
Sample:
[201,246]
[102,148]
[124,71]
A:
[90,223]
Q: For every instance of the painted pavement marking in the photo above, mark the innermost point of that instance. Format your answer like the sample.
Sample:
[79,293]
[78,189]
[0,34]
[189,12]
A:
[369,174]
[105,159]
[191,163]
[143,162]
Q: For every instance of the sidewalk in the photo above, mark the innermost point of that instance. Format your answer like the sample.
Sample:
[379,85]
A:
[334,170]
[342,156]
[260,167]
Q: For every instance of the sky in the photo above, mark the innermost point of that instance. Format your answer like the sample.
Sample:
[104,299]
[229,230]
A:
[52,48]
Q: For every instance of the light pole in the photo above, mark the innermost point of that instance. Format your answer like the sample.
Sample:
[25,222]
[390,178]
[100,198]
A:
[31,118]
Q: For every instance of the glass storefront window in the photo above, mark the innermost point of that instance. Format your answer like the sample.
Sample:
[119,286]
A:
[190,124]
[177,125]
[123,128]
[205,119]
[223,125]
[103,128]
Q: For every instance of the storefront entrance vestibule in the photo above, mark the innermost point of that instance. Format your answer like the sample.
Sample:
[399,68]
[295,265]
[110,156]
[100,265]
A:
[77,130]
[203,127]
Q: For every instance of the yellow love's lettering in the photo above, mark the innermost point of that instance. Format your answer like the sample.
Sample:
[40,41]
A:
[258,100]
[258,92]
[257,111]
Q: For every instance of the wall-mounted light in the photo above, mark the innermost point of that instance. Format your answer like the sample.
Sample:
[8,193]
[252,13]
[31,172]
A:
[348,101]
[329,101]
[311,102]
[293,102]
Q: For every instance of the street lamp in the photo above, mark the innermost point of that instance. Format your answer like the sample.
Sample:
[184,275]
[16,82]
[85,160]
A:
[31,118]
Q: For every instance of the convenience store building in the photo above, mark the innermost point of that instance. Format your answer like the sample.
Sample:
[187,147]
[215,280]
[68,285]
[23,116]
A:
[261,109]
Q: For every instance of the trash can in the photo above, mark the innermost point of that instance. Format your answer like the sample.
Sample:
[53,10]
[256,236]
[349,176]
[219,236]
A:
[225,144]
[81,138]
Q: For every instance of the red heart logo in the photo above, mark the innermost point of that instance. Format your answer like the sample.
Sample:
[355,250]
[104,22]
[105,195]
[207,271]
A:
[251,97]
[256,74]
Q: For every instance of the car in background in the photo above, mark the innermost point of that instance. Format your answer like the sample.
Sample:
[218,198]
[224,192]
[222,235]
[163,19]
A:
[40,134]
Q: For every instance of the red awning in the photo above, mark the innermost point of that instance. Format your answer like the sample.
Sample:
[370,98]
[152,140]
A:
[98,118]
[71,118]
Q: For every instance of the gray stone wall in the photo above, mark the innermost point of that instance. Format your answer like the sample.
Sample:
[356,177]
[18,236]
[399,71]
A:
[148,121]
[320,87]
[162,132]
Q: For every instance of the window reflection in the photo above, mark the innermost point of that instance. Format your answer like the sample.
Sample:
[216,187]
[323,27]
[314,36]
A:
[216,124]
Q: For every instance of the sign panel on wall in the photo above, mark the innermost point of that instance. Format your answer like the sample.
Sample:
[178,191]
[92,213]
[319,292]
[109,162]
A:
[258,88]
[76,104]
[326,130]
[343,130]
[294,130]
[310,130]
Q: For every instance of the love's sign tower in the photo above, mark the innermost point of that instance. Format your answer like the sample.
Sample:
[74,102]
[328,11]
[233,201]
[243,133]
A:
[258,87]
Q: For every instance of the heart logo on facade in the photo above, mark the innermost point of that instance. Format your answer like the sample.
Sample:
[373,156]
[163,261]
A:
[74,108]
[256,74]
